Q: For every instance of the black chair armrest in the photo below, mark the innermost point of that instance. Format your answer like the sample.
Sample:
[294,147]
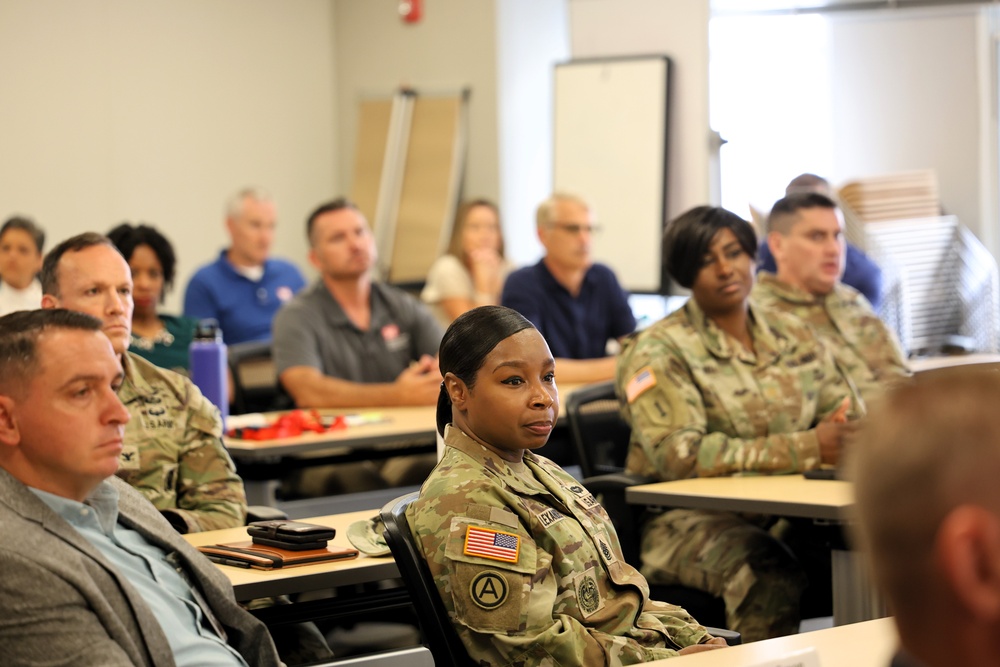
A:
[731,636]
[615,482]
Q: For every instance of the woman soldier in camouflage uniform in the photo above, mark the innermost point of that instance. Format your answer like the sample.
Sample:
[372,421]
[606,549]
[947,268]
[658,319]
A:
[722,387]
[527,562]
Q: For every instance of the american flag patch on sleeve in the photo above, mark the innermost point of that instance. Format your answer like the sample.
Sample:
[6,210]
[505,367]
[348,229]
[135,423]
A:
[640,382]
[492,544]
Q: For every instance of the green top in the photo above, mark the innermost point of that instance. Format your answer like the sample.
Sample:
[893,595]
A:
[169,348]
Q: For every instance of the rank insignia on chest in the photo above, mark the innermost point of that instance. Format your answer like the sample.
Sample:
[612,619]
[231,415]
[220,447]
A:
[492,544]
[129,458]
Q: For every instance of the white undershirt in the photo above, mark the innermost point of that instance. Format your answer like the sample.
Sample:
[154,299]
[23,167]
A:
[13,299]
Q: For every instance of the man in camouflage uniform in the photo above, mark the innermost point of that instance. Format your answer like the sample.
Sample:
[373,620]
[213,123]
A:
[806,237]
[173,448]
[529,566]
[700,405]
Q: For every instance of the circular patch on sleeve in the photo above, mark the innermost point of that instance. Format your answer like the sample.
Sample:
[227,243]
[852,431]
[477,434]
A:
[488,589]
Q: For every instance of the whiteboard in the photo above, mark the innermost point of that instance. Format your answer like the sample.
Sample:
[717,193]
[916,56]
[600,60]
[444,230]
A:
[611,149]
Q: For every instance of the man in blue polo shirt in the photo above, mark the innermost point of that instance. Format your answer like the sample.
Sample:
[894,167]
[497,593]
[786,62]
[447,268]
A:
[576,304]
[244,288]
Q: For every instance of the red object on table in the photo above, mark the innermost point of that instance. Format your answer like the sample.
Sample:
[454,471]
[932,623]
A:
[290,425]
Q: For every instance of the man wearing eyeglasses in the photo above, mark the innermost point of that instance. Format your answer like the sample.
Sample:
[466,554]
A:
[576,304]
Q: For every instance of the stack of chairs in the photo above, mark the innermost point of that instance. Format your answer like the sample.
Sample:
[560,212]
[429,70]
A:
[940,284]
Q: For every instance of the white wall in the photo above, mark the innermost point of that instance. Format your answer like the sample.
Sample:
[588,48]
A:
[158,110]
[532,37]
[504,51]
[906,95]
[849,95]
[678,29]
[453,47]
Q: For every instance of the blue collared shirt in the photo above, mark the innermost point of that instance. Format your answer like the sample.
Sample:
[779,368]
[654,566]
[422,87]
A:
[151,571]
[243,308]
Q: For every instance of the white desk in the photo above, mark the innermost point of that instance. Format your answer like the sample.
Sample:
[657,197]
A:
[854,598]
[868,644]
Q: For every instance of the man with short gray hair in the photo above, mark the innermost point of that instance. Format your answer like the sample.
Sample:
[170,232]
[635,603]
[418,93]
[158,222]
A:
[576,304]
[244,288]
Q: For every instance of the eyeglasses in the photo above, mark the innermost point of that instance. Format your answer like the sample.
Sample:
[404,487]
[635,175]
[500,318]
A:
[576,228]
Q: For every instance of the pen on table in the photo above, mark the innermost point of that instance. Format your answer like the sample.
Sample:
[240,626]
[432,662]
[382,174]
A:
[229,561]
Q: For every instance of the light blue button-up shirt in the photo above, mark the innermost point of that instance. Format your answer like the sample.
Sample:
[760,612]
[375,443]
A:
[157,575]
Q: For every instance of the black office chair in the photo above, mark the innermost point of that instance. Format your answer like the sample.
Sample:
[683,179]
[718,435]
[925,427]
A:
[439,633]
[437,629]
[601,439]
[255,383]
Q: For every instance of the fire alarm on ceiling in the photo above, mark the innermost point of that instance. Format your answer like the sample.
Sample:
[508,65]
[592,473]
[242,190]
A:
[411,10]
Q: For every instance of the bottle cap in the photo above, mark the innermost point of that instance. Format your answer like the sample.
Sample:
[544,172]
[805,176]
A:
[208,329]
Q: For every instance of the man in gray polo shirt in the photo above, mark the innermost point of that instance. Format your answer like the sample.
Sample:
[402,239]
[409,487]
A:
[349,341]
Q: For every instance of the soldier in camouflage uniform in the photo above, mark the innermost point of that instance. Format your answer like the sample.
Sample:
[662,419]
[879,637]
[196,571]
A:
[805,231]
[173,450]
[721,387]
[527,562]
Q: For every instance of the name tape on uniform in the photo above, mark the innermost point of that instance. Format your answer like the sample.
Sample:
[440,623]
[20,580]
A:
[492,544]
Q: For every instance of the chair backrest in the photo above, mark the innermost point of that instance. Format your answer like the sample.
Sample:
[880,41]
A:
[438,631]
[599,433]
[255,382]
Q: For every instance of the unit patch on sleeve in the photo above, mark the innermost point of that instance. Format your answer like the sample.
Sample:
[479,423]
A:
[488,589]
[588,595]
[640,383]
[492,544]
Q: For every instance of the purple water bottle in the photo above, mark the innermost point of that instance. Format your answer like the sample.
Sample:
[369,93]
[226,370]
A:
[208,365]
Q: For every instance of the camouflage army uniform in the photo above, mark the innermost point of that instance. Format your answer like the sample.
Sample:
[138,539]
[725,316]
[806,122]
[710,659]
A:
[173,450]
[557,590]
[863,346]
[702,405]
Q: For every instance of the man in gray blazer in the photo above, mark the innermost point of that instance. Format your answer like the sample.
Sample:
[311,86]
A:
[92,573]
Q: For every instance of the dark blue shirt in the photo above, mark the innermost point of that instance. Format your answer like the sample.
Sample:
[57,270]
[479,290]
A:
[860,272]
[574,327]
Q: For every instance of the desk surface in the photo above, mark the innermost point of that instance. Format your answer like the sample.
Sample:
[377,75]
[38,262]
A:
[249,584]
[867,644]
[399,425]
[922,364]
[783,495]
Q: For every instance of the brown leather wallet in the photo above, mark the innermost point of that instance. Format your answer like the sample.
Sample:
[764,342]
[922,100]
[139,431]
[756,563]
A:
[248,554]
